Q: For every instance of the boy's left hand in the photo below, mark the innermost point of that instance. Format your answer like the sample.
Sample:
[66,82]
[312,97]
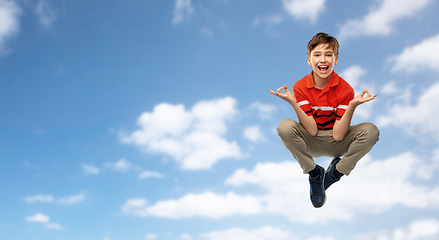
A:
[361,98]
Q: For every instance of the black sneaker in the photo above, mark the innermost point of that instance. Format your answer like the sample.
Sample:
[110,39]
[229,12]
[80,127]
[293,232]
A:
[317,190]
[330,177]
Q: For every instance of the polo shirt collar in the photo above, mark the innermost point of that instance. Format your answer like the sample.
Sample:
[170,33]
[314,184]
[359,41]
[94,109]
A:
[335,79]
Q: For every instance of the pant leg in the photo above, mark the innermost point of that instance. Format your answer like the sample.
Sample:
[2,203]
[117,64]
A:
[358,141]
[301,144]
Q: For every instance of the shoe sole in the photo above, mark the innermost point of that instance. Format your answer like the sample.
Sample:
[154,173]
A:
[319,206]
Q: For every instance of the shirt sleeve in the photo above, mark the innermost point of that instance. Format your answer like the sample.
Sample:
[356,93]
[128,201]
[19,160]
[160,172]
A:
[345,100]
[302,100]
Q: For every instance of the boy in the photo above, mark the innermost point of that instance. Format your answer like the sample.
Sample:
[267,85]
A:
[324,104]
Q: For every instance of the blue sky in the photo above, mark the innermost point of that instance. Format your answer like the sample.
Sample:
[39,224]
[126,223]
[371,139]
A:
[147,119]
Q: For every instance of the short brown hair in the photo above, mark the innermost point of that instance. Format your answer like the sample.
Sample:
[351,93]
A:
[323,38]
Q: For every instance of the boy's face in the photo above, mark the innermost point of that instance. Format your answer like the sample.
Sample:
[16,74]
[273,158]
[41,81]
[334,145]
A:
[322,59]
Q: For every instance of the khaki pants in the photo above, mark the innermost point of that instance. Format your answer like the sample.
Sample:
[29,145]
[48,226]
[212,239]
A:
[358,141]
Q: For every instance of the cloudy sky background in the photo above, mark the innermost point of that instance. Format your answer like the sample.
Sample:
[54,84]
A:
[148,119]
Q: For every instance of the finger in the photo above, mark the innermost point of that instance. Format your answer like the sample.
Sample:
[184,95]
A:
[273,92]
[286,89]
[363,92]
[370,98]
[368,93]
[278,90]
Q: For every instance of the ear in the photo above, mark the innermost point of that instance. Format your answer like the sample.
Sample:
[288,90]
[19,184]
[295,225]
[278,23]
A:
[308,59]
[336,60]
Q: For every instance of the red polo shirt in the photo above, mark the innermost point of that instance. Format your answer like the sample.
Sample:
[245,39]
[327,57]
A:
[327,104]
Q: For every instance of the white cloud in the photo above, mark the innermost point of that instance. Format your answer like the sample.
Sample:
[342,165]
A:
[54,226]
[41,218]
[182,11]
[397,94]
[254,134]
[70,200]
[381,18]
[423,229]
[380,190]
[9,21]
[288,189]
[265,111]
[38,218]
[263,233]
[186,236]
[150,174]
[424,55]
[406,115]
[435,158]
[45,14]
[268,20]
[134,204]
[90,169]
[40,198]
[194,138]
[206,204]
[304,9]
[390,88]
[353,76]
[150,236]
[288,193]
[122,165]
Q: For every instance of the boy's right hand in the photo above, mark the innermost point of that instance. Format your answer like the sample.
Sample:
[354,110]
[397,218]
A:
[287,95]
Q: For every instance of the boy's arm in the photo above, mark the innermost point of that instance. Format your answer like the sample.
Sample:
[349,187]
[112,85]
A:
[342,127]
[306,121]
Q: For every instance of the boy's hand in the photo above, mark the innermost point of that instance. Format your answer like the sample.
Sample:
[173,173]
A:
[287,95]
[361,98]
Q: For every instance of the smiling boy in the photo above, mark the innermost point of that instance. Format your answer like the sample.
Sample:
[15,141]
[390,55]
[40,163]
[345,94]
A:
[324,104]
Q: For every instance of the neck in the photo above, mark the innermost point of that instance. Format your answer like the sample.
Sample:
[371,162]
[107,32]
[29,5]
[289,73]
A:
[320,82]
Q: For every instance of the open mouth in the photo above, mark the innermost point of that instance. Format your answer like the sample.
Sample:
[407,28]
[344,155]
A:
[323,68]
